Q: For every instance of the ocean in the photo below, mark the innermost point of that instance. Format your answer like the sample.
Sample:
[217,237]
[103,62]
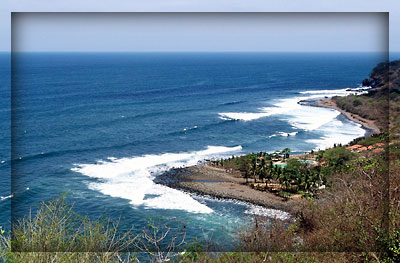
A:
[100,126]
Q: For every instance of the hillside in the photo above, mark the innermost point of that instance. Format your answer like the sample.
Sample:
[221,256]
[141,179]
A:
[382,98]
[347,206]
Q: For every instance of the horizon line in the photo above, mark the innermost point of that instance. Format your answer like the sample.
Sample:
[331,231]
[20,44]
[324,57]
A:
[194,51]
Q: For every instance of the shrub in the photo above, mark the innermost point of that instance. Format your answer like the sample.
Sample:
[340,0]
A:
[357,102]
[57,228]
[336,157]
[57,234]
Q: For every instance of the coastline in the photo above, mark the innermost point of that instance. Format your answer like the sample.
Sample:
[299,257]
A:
[368,125]
[203,179]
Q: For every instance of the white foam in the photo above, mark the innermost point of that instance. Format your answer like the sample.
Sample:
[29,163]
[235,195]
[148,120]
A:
[259,210]
[6,197]
[132,178]
[299,116]
[251,208]
[241,116]
[336,92]
[326,91]
[283,134]
[308,118]
[337,132]
[286,134]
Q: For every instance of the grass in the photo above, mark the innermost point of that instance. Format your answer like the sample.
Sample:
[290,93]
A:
[355,219]
[57,234]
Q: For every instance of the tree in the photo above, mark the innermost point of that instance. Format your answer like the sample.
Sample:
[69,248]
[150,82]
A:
[262,170]
[284,179]
[337,156]
[242,165]
[285,153]
[253,168]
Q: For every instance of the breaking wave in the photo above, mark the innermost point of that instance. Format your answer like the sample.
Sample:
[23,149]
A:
[132,178]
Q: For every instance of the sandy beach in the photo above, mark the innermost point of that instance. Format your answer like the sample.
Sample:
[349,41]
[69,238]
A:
[209,180]
[367,124]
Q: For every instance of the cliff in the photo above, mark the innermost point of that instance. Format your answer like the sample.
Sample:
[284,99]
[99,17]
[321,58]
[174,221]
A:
[382,102]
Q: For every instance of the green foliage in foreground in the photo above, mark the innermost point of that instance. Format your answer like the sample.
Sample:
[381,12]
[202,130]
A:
[57,234]
[350,218]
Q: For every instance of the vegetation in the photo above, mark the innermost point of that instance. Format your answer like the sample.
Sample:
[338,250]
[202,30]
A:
[356,218]
[57,234]
[382,102]
[56,229]
[292,174]
[373,139]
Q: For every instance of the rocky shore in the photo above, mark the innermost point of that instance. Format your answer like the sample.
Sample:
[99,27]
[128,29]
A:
[208,180]
[365,123]
[220,183]
[368,125]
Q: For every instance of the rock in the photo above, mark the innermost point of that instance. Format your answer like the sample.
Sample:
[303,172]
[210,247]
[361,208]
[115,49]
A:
[366,83]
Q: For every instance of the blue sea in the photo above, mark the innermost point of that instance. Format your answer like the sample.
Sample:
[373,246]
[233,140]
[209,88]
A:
[101,126]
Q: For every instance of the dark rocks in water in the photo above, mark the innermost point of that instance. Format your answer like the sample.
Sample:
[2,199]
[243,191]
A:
[367,83]
[307,102]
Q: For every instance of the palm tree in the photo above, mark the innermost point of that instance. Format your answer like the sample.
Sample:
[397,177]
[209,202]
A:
[285,153]
[262,170]
[284,180]
[253,168]
[246,176]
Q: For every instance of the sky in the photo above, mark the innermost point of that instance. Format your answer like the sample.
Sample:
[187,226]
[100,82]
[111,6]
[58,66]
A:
[205,32]
[391,6]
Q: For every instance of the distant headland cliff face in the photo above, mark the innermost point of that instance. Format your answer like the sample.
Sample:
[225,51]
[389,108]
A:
[384,74]
[382,102]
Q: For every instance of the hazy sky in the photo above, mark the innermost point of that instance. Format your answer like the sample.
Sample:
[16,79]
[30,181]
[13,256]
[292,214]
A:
[200,32]
[9,6]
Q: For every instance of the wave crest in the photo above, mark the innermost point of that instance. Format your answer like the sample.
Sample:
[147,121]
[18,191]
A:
[132,178]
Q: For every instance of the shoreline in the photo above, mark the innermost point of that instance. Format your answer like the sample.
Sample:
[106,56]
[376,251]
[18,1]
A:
[368,125]
[203,179]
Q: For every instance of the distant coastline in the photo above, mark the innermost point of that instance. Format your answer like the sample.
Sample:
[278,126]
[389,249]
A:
[207,180]
[369,125]
[217,182]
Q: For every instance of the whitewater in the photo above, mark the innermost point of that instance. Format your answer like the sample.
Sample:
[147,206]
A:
[102,126]
[133,178]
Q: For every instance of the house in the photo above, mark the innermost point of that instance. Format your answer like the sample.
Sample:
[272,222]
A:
[354,147]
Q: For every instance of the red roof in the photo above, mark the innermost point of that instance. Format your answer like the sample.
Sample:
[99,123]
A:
[353,147]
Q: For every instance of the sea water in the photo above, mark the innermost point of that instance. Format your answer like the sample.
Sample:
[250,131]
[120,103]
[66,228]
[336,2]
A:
[102,126]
